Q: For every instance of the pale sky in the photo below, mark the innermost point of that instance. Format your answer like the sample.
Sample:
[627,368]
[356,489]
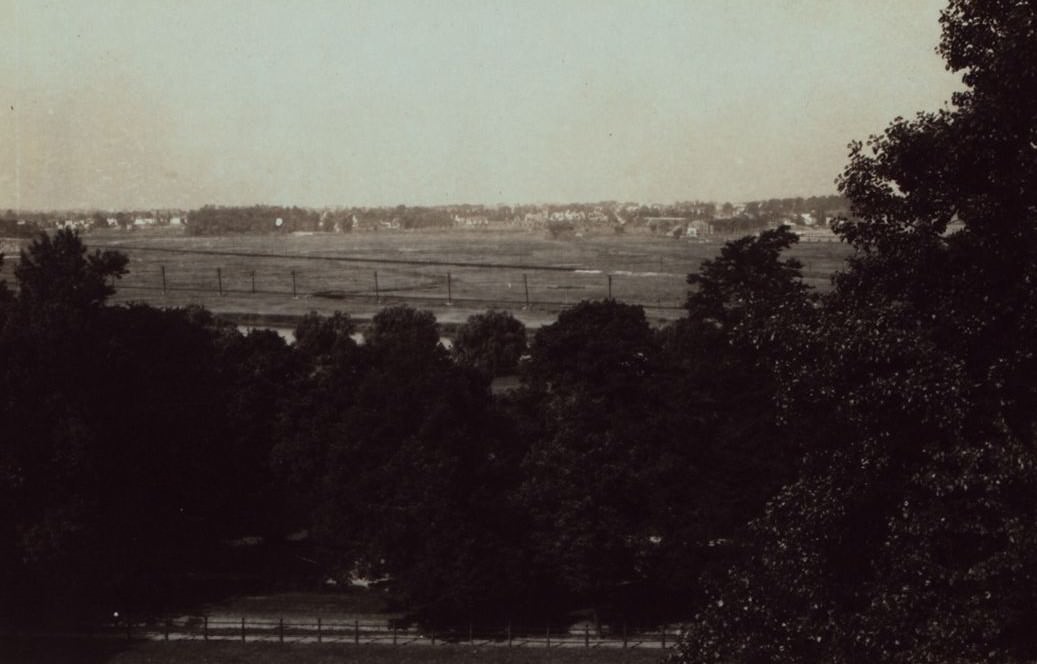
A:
[143,103]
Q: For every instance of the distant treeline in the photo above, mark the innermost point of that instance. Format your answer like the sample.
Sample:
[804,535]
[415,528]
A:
[216,220]
[12,227]
[752,217]
[778,206]
[213,220]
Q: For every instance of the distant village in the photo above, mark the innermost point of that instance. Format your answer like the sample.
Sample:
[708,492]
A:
[692,220]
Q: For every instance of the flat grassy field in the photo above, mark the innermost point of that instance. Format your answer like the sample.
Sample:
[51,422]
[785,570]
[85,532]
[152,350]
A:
[83,651]
[453,273]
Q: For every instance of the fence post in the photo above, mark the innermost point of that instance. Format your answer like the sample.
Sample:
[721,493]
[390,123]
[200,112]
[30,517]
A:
[624,634]
[470,641]
[253,281]
[165,633]
[242,629]
[525,284]
[394,633]
[129,630]
[610,286]
[377,294]
[433,636]
[219,280]
[163,268]
[509,633]
[280,630]
[294,292]
[356,632]
[548,635]
[586,636]
[319,635]
[664,636]
[449,289]
[205,629]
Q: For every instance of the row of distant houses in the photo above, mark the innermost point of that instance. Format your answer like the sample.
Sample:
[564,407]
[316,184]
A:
[113,222]
[679,227]
[685,225]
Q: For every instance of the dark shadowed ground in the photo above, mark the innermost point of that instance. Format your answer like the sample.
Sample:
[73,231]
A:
[83,651]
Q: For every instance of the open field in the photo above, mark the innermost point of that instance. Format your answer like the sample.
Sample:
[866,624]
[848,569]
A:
[93,651]
[453,273]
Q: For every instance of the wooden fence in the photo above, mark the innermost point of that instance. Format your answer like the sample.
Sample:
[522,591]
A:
[473,286]
[317,630]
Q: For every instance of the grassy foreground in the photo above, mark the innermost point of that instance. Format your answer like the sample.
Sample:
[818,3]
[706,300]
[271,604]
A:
[79,651]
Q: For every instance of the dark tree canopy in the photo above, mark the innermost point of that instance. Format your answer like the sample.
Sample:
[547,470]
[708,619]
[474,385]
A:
[748,278]
[408,334]
[745,297]
[598,345]
[492,342]
[908,534]
[56,270]
[138,442]
[588,371]
[323,340]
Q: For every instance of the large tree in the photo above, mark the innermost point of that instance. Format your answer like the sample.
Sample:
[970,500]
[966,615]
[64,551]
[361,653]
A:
[114,449]
[910,531]
[57,271]
[588,382]
[722,453]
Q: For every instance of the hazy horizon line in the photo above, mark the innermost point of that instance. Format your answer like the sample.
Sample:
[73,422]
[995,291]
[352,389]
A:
[411,205]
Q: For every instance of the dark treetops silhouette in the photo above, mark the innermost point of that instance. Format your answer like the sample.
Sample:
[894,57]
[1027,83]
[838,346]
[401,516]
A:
[492,342]
[139,442]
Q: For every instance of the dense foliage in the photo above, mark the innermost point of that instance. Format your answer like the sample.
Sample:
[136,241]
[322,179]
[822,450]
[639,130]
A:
[908,532]
[492,342]
[216,220]
[141,446]
[221,220]
[113,446]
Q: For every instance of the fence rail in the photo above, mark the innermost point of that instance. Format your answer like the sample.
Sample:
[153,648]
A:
[317,630]
[474,287]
